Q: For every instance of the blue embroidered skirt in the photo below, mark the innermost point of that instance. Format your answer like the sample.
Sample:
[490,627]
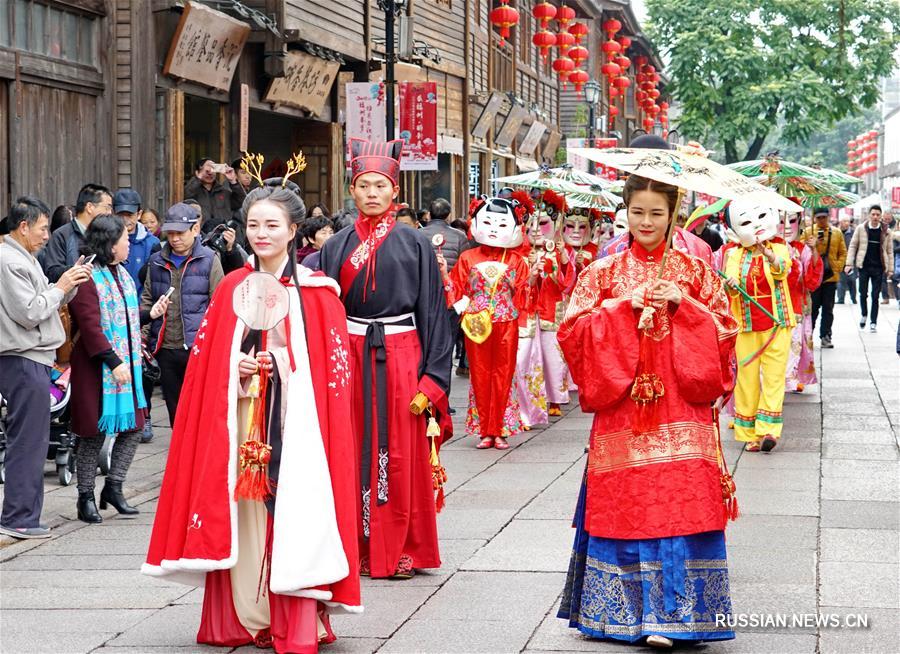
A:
[629,589]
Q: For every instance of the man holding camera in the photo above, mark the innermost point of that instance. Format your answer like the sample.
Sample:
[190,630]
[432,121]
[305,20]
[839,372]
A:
[831,247]
[192,271]
[217,201]
[222,239]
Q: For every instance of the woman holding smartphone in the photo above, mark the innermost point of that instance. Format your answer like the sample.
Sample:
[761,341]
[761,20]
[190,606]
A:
[107,390]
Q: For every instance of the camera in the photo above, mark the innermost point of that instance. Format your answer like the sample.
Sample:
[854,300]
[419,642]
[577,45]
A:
[216,239]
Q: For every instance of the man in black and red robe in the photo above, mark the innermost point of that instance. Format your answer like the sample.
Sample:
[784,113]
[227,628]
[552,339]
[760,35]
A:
[401,357]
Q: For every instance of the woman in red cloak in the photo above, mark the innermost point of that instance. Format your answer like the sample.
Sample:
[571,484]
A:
[275,567]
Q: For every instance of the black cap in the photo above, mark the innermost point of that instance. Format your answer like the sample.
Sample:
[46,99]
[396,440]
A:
[127,200]
[180,218]
[821,211]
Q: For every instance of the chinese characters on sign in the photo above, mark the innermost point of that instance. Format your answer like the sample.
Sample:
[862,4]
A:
[418,125]
[365,112]
[306,83]
[206,47]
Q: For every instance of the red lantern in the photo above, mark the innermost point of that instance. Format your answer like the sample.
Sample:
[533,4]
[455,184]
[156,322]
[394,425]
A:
[565,15]
[664,106]
[504,17]
[544,12]
[579,31]
[625,42]
[621,82]
[578,79]
[653,93]
[612,26]
[647,86]
[564,41]
[647,69]
[614,92]
[641,61]
[544,40]
[613,111]
[610,69]
[648,123]
[624,62]
[640,96]
[611,47]
[664,120]
[578,54]
[562,65]
[873,134]
[851,144]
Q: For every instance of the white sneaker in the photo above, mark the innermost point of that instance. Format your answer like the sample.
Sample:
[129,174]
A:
[873,328]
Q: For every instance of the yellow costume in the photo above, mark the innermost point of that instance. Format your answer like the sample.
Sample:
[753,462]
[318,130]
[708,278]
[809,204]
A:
[762,346]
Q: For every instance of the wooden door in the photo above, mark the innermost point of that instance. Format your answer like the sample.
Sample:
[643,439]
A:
[4,150]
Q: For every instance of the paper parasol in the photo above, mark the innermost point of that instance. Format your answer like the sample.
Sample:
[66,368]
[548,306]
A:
[566,173]
[841,199]
[774,167]
[700,213]
[798,187]
[261,301]
[691,172]
[577,195]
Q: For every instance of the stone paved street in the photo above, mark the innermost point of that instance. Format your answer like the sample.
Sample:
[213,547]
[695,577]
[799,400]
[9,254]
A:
[819,534]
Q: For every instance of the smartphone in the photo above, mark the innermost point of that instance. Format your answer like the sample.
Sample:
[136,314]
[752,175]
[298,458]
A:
[89,260]
[168,293]
[821,234]
[219,168]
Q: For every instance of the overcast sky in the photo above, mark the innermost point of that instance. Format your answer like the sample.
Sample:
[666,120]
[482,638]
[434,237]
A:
[639,10]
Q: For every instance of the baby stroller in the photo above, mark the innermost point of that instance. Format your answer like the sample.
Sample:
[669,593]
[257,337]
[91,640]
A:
[62,441]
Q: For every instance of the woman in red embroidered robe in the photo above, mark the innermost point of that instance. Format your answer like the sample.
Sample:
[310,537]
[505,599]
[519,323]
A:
[273,570]
[649,556]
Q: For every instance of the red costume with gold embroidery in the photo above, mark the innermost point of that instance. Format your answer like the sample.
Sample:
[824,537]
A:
[666,481]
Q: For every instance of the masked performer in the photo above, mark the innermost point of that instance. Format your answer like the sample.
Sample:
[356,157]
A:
[757,269]
[258,504]
[489,286]
[556,276]
[805,277]
[650,354]
[400,357]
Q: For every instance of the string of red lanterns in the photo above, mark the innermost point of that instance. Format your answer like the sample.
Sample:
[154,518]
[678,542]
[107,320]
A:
[862,154]
[504,17]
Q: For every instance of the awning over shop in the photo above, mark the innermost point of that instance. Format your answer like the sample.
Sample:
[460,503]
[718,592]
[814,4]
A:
[525,165]
[449,145]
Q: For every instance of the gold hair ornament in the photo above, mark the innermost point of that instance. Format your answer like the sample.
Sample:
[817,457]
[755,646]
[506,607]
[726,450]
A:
[252,164]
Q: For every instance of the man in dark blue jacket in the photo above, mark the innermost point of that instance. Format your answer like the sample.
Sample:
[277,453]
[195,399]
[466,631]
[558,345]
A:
[194,271]
[64,247]
[127,204]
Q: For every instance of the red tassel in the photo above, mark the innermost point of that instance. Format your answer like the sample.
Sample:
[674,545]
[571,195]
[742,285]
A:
[254,454]
[646,391]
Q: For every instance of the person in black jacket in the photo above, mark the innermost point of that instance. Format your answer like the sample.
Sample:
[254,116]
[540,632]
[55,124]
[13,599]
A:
[65,243]
[218,201]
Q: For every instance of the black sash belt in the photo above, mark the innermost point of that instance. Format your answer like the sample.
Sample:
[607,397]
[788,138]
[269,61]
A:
[375,344]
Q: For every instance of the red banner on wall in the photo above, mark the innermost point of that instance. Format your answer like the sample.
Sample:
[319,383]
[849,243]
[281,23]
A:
[895,196]
[418,125]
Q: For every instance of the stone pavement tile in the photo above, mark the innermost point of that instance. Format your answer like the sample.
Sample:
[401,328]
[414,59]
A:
[860,515]
[869,451]
[877,489]
[530,476]
[762,531]
[194,649]
[765,479]
[527,545]
[558,501]
[767,598]
[386,608]
[90,598]
[876,423]
[555,635]
[793,443]
[767,642]
[861,468]
[780,460]
[472,522]
[880,634]
[509,597]
[847,434]
[853,406]
[121,530]
[173,626]
[65,625]
[454,552]
[859,585]
[30,561]
[779,502]
[545,451]
[445,636]
[81,544]
[99,577]
[789,565]
[194,596]
[861,545]
[42,642]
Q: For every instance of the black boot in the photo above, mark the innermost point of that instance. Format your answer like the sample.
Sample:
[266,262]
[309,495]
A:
[87,509]
[112,494]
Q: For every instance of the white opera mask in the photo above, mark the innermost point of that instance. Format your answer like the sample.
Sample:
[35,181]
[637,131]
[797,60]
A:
[751,223]
[541,228]
[620,224]
[576,229]
[495,223]
[789,228]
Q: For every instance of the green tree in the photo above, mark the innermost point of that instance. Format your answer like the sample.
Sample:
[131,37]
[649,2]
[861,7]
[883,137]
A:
[827,146]
[739,68]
